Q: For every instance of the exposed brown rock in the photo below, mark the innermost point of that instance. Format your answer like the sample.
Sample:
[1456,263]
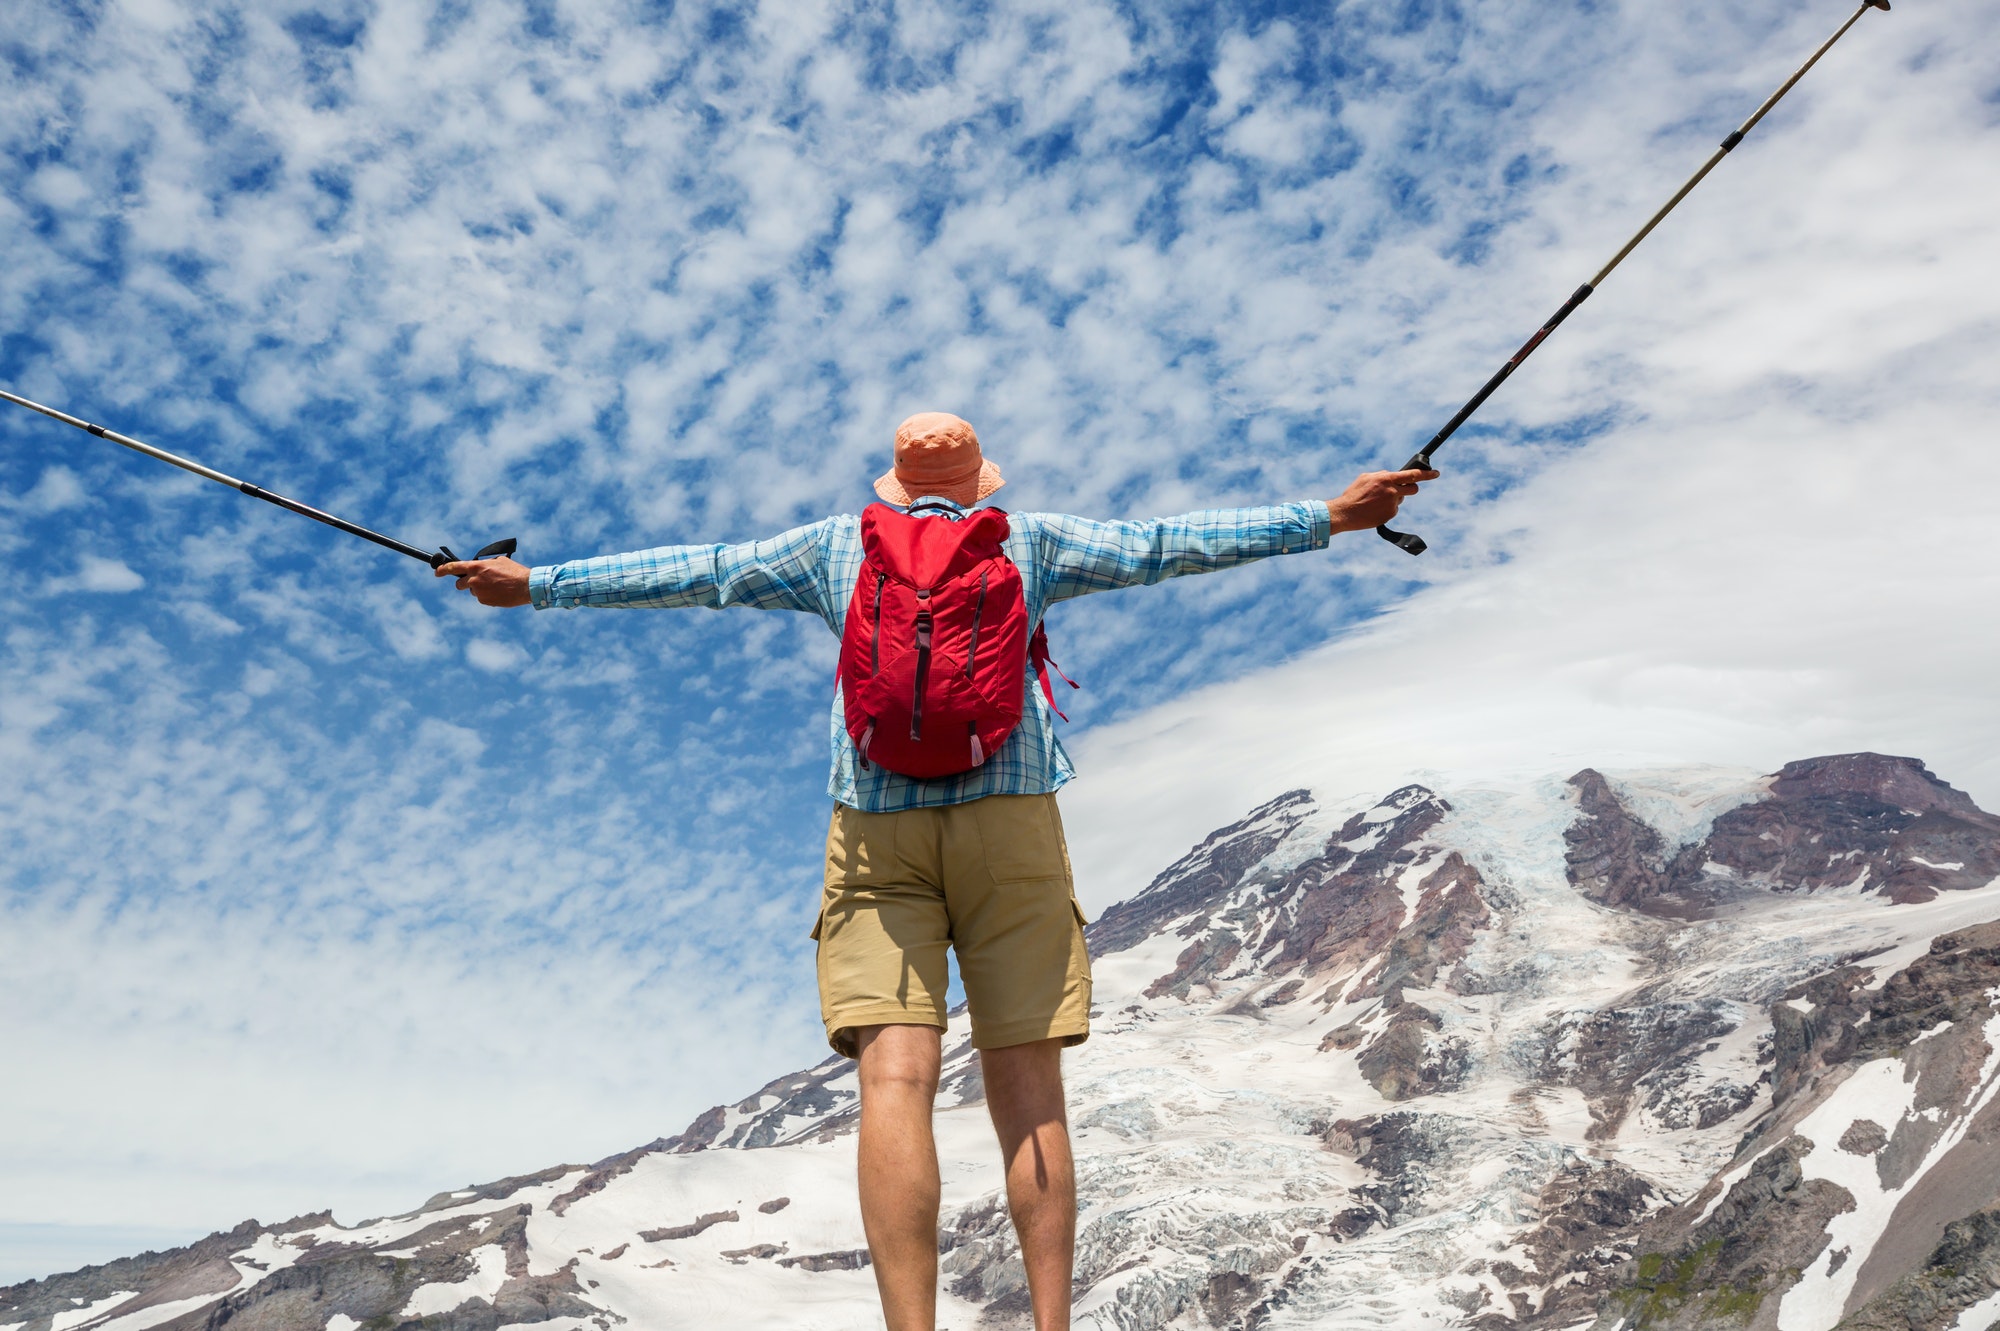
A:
[758,1251]
[669,1233]
[1769,1228]
[1963,1270]
[851,1259]
[1857,817]
[1864,1136]
[1612,856]
[1608,1054]
[1590,1213]
[1196,879]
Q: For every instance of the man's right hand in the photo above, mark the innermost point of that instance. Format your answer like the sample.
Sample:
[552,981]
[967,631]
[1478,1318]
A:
[1374,498]
[491,581]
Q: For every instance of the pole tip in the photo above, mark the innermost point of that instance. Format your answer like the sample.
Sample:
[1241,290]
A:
[1882,5]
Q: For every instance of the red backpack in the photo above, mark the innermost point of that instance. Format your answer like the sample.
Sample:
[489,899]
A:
[936,642]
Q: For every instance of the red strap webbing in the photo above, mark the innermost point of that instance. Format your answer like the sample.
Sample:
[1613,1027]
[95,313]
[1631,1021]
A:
[1038,652]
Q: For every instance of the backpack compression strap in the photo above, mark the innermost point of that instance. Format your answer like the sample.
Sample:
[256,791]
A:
[1038,653]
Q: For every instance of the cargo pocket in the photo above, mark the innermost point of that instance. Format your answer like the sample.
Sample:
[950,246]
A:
[828,895]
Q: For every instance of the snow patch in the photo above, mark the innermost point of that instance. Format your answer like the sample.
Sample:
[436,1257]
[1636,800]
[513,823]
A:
[1408,887]
[89,1312]
[157,1314]
[1919,924]
[1876,1091]
[489,1273]
[1981,1316]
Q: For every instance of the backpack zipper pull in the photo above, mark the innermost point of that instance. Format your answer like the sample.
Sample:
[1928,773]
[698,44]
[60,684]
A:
[923,666]
[972,650]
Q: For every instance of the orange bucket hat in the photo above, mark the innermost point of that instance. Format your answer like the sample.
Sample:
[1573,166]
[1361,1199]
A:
[938,454]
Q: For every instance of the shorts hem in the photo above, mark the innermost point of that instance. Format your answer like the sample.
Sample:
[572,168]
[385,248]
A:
[846,1022]
[1071,1030]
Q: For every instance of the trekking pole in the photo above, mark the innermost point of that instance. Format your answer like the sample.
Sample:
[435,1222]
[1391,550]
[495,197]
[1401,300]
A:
[443,554]
[1421,459]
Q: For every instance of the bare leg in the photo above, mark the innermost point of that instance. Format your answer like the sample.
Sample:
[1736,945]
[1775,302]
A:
[1024,1094]
[899,1170]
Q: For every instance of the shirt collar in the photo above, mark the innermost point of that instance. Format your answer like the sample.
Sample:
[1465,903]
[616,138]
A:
[938,505]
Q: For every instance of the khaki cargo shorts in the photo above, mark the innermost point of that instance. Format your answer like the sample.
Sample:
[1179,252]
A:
[990,879]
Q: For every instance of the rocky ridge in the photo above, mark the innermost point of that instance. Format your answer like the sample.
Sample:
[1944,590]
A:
[1661,1050]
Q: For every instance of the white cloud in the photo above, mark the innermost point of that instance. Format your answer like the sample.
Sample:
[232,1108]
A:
[407,627]
[495,657]
[94,573]
[58,488]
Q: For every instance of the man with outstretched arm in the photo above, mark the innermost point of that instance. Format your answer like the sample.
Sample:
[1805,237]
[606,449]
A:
[973,861]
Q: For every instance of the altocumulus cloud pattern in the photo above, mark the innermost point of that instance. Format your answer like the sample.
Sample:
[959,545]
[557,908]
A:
[368,886]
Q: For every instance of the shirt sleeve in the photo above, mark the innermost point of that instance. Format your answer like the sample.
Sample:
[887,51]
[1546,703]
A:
[1079,555]
[785,572]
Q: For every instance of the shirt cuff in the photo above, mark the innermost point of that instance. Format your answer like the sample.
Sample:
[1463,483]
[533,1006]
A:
[1319,519]
[539,579]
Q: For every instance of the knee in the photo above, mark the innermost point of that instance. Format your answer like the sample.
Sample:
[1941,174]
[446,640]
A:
[898,1060]
[900,1078]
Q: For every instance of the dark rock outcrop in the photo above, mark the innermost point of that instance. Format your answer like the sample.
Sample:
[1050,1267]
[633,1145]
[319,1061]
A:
[1769,1228]
[799,1106]
[1410,1153]
[1198,880]
[848,1259]
[1612,856]
[1962,1271]
[1590,1213]
[669,1233]
[1614,1054]
[1866,818]
[372,1288]
[1883,822]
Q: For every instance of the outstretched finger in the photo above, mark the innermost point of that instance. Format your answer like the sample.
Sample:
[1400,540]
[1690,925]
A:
[461,569]
[1413,475]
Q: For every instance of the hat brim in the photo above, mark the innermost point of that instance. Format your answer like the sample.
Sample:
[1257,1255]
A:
[964,492]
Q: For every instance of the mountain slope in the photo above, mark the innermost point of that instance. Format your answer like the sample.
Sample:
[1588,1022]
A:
[1674,1049]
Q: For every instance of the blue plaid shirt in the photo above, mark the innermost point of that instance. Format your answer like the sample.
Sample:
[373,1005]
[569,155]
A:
[813,569]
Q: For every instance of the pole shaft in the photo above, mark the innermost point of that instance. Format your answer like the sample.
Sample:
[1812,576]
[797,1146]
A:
[171,459]
[1422,458]
[222,478]
[352,529]
[1729,144]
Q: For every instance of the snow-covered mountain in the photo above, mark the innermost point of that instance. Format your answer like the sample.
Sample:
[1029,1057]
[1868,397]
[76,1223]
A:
[1666,1049]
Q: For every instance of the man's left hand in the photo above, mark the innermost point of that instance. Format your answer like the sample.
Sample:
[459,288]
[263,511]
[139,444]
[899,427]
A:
[499,581]
[1374,498]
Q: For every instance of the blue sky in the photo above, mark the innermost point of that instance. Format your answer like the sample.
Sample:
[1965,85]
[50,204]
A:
[326,887]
